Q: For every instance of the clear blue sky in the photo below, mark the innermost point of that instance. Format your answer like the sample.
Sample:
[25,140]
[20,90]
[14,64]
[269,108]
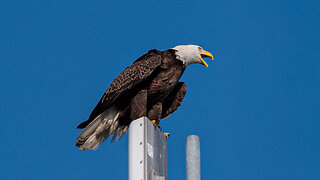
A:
[255,109]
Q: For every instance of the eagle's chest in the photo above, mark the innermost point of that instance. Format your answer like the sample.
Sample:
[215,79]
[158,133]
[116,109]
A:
[165,81]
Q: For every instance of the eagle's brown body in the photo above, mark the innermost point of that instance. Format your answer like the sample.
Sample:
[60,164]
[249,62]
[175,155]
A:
[149,87]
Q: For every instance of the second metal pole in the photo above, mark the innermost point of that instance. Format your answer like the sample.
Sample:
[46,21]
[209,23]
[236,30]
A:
[193,158]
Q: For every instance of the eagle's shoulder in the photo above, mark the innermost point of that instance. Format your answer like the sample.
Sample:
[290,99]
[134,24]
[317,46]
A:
[169,59]
[139,70]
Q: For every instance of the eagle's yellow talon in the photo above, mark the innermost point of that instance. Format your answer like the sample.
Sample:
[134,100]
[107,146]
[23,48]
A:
[166,135]
[154,122]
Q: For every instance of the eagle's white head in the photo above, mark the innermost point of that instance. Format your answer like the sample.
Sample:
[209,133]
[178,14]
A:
[190,54]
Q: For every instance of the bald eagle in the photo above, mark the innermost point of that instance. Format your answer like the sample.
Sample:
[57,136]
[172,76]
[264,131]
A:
[149,87]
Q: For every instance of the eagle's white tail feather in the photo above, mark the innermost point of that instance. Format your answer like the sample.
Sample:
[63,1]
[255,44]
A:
[122,132]
[100,129]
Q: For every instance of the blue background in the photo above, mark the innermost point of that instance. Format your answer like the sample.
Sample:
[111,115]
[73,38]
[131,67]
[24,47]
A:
[255,109]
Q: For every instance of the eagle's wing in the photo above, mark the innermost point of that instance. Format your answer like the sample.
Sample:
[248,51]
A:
[131,76]
[138,71]
[174,100]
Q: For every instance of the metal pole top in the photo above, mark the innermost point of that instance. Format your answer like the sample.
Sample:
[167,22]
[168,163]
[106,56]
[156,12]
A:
[193,158]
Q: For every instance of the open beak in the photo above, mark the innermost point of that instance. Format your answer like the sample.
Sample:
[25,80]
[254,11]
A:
[205,54]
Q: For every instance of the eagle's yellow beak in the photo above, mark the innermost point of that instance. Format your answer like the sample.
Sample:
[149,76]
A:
[205,54]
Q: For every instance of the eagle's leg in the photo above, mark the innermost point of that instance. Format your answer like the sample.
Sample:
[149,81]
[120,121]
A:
[174,100]
[155,114]
[138,106]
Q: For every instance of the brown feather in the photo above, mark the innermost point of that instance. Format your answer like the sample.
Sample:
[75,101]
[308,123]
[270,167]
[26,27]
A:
[174,100]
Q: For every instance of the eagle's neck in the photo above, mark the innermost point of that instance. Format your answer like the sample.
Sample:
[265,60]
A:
[180,58]
[185,56]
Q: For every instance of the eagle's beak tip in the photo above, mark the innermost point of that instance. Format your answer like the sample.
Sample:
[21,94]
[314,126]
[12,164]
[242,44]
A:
[205,54]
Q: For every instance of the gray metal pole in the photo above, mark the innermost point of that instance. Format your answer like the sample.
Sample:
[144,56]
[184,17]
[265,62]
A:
[193,158]
[147,151]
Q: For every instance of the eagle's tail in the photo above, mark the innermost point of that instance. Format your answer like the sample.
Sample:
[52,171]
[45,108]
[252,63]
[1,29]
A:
[103,126]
